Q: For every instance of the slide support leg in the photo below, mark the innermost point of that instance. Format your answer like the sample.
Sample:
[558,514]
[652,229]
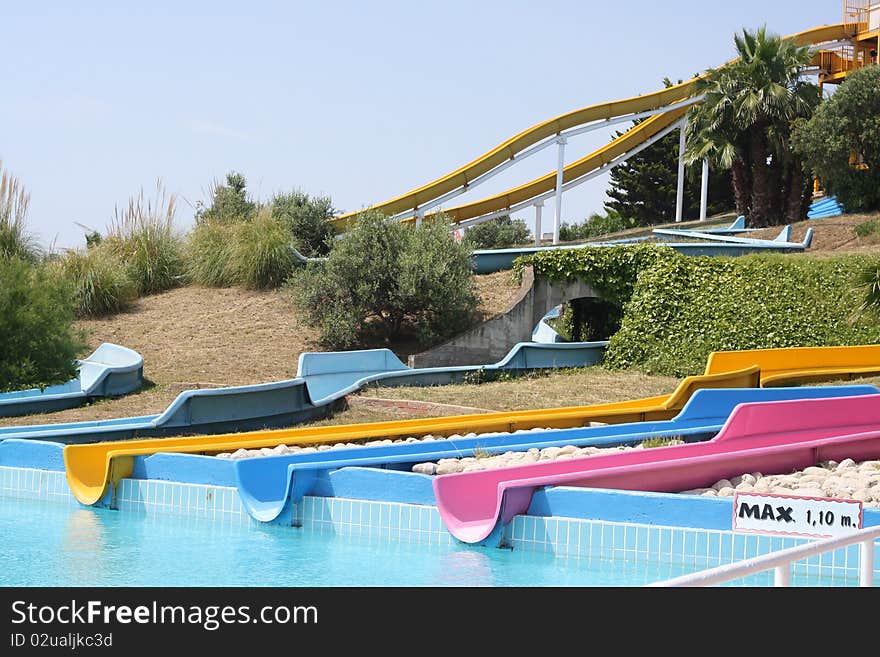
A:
[679,196]
[704,191]
[560,166]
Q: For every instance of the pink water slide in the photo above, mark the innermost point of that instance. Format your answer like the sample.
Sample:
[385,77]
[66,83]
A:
[770,437]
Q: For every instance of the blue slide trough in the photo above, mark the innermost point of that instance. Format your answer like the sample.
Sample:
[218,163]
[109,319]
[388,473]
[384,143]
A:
[109,371]
[323,379]
[269,486]
[333,374]
[490,261]
[828,207]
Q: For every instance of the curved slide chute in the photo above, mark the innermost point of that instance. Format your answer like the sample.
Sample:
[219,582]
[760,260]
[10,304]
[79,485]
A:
[110,370]
[799,365]
[778,436]
[461,178]
[92,467]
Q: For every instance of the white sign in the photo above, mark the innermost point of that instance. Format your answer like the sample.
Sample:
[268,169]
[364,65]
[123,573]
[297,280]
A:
[795,516]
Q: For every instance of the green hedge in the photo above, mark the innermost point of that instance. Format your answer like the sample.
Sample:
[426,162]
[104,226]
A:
[678,309]
[611,271]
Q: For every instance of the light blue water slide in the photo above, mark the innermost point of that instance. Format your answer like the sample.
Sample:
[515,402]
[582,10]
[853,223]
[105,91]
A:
[269,486]
[109,371]
[322,379]
[827,207]
[783,238]
[490,261]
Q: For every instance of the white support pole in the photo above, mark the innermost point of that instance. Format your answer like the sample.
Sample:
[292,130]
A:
[704,191]
[539,210]
[560,167]
[420,214]
[782,576]
[866,565]
[679,196]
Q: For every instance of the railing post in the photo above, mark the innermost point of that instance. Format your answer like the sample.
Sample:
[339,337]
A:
[782,576]
[866,563]
[679,195]
[560,167]
[539,210]
[704,191]
[420,215]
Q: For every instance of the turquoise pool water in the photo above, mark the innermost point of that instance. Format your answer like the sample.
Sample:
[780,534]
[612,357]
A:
[50,544]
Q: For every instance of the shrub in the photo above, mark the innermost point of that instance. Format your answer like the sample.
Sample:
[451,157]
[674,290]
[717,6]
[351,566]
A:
[500,233]
[229,203]
[38,342]
[306,218]
[208,254]
[144,237]
[101,282]
[385,281]
[845,127]
[596,226]
[15,240]
[260,253]
[867,228]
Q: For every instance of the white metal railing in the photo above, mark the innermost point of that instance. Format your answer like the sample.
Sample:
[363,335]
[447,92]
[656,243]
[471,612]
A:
[781,561]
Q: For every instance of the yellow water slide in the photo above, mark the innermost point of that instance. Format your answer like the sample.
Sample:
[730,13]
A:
[461,178]
[91,467]
[799,365]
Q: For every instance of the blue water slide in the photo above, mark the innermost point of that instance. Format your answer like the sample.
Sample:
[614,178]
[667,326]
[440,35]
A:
[736,228]
[493,260]
[333,374]
[544,333]
[827,207]
[270,485]
[322,380]
[784,236]
[109,371]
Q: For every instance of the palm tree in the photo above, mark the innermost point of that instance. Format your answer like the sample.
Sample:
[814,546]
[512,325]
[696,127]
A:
[745,122]
[712,134]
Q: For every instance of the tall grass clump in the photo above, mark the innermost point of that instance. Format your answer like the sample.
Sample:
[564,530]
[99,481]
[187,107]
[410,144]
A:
[261,255]
[208,254]
[38,340]
[101,282]
[143,235]
[15,240]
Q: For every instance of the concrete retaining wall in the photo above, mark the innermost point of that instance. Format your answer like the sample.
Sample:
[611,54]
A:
[491,340]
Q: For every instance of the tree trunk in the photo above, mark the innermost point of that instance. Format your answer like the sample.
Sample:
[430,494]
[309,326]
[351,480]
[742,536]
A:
[777,189]
[742,186]
[799,194]
[761,200]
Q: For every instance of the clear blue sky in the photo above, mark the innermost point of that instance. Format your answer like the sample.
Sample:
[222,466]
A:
[358,100]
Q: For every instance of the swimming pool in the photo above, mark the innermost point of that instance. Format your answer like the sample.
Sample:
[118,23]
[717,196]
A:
[46,543]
